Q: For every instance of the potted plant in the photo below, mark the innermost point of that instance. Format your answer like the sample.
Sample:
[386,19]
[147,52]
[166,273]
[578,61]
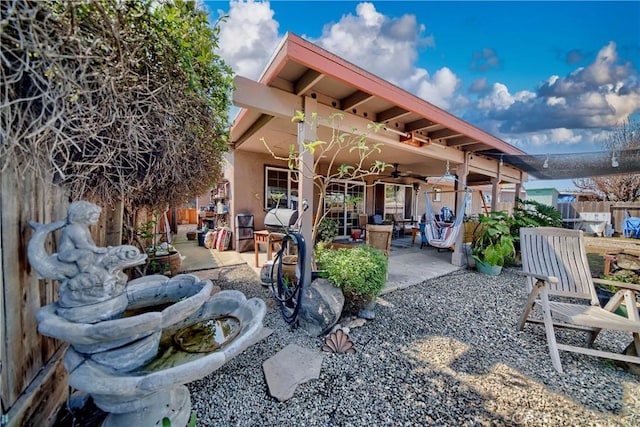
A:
[360,272]
[162,258]
[493,243]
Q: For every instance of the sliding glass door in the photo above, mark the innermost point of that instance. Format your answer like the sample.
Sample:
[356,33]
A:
[343,202]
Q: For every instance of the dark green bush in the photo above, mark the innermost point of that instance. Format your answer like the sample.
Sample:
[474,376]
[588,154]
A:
[360,272]
[327,230]
[529,213]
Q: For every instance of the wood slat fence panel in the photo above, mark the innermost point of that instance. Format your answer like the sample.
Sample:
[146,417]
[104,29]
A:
[618,210]
[27,356]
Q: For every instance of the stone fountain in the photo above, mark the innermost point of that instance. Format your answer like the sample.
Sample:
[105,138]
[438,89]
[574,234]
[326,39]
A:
[134,344]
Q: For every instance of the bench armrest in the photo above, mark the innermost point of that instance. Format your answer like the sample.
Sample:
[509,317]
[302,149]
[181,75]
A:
[617,284]
[550,279]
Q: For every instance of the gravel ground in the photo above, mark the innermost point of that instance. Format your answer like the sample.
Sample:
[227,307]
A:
[445,352]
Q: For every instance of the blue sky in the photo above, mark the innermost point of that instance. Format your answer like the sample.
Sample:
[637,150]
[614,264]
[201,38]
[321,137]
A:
[546,77]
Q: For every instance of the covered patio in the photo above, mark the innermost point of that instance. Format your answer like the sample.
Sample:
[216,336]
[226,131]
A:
[409,265]
[419,139]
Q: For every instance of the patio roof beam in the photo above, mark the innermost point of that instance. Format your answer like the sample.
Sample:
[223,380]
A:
[307,81]
[351,121]
[439,152]
[391,114]
[483,165]
[274,102]
[460,141]
[444,134]
[354,100]
[418,125]
[478,146]
[255,127]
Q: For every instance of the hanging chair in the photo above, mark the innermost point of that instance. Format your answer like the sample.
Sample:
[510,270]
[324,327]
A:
[438,234]
[443,236]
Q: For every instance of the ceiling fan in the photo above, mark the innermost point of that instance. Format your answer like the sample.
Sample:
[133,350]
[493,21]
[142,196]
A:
[396,173]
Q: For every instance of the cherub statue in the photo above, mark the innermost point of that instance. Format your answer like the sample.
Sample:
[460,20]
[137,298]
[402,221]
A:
[76,244]
[87,273]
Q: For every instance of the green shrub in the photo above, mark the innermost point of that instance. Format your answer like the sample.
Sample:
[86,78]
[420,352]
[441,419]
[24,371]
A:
[327,230]
[530,213]
[360,272]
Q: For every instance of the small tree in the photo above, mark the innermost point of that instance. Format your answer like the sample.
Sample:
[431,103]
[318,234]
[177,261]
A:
[329,151]
[113,100]
[616,188]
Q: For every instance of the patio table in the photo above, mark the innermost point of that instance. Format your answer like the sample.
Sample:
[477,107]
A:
[265,237]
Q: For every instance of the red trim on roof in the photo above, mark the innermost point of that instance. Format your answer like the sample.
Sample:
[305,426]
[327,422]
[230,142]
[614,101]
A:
[296,49]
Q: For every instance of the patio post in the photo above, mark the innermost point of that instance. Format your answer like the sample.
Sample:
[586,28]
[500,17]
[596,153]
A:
[306,133]
[495,188]
[459,257]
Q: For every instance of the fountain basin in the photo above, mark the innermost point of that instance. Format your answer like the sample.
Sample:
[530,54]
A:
[186,291]
[128,340]
[162,378]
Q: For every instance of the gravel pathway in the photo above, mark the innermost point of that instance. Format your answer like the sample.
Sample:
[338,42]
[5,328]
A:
[445,352]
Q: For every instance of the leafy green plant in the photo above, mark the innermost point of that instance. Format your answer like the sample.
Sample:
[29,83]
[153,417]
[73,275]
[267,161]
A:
[166,422]
[327,230]
[530,213]
[360,272]
[494,243]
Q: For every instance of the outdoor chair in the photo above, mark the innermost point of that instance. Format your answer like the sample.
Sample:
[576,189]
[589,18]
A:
[379,237]
[362,224]
[631,226]
[559,280]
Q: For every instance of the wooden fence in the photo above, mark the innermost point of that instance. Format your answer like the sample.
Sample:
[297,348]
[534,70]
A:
[618,210]
[32,378]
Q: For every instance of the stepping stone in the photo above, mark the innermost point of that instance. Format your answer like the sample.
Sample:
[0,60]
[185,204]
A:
[290,367]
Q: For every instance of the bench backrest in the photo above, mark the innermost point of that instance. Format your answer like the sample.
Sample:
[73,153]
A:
[561,253]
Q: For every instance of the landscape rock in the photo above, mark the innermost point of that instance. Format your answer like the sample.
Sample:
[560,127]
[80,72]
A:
[320,308]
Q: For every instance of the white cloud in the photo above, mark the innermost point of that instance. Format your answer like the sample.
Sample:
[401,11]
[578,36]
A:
[500,99]
[440,90]
[389,47]
[248,37]
[555,100]
[550,139]
[564,136]
[599,95]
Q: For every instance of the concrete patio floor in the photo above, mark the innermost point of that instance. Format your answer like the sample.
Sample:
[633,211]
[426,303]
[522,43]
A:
[408,264]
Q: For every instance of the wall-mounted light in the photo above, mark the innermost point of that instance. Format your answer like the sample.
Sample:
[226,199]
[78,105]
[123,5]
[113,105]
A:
[546,162]
[501,160]
[614,160]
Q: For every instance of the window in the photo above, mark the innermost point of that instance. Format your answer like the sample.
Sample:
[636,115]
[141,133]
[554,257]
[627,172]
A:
[281,188]
[395,201]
